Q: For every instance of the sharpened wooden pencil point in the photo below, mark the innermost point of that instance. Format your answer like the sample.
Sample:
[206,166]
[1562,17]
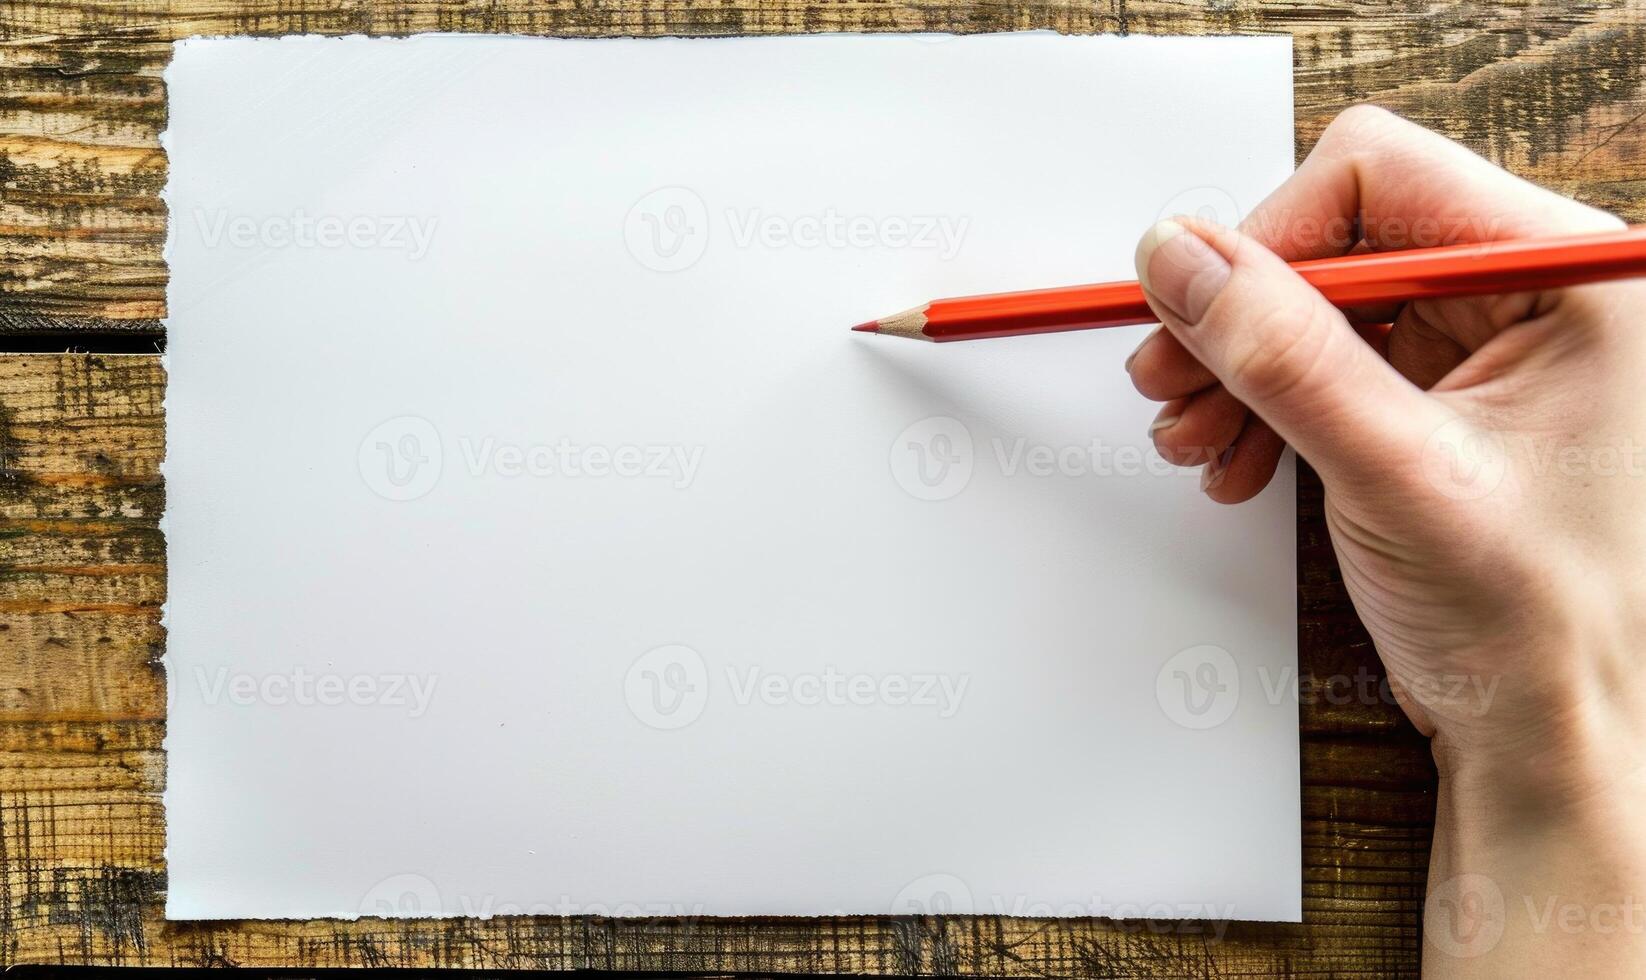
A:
[909,323]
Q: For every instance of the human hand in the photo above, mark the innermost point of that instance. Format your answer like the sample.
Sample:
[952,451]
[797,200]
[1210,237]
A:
[1483,465]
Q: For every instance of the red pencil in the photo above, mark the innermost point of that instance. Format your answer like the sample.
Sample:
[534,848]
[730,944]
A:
[1367,279]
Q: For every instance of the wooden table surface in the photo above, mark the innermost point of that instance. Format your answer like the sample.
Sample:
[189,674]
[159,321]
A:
[1553,90]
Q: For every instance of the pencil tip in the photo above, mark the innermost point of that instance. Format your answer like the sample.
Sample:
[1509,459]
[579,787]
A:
[873,326]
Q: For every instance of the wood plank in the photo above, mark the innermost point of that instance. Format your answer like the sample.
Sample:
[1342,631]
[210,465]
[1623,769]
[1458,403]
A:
[82,703]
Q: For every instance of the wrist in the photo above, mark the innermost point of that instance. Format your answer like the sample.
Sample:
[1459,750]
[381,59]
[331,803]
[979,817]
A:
[1519,888]
[1542,784]
[1558,727]
[1488,813]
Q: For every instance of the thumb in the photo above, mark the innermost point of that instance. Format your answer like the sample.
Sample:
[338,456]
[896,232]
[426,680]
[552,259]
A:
[1278,346]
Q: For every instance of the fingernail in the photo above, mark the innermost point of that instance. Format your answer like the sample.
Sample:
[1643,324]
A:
[1212,473]
[1163,422]
[1180,270]
[1139,349]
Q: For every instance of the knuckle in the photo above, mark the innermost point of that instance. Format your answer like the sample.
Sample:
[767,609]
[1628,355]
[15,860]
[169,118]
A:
[1370,138]
[1289,343]
[1160,386]
[1357,125]
[1179,448]
[1152,388]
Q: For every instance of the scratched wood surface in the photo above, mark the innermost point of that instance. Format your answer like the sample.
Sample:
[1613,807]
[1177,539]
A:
[1553,90]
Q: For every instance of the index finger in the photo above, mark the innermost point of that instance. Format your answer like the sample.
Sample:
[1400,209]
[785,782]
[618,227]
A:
[1377,178]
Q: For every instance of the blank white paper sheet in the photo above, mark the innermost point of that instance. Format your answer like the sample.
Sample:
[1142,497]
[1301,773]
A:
[542,541]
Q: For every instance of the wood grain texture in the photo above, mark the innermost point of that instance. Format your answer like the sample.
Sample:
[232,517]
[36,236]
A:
[1553,90]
